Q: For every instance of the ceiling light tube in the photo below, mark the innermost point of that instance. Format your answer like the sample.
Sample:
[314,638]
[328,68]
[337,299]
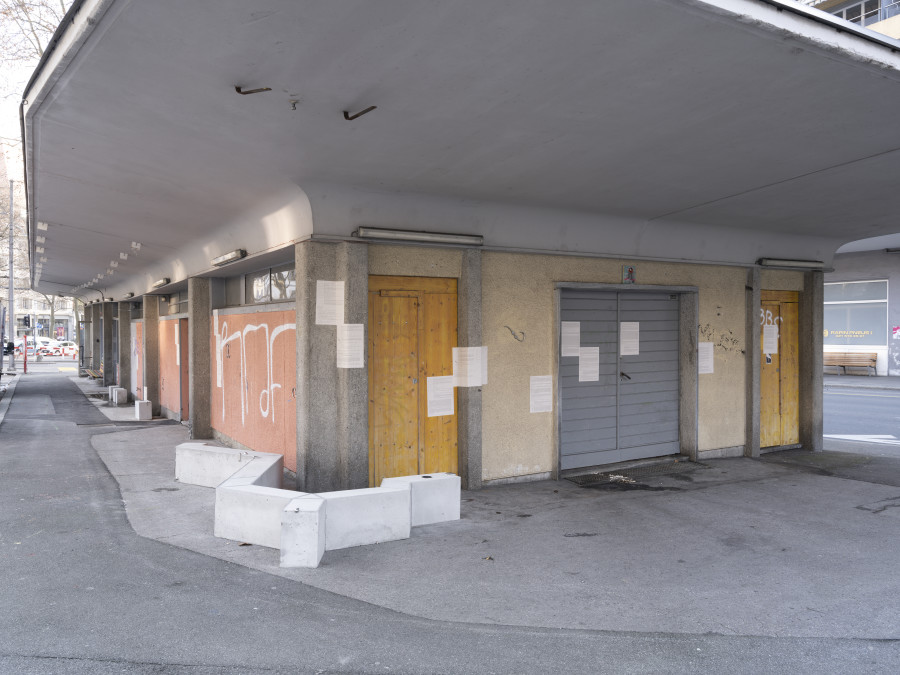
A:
[160,283]
[129,295]
[428,237]
[230,257]
[784,262]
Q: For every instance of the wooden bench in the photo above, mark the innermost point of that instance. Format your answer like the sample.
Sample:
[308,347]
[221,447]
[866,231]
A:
[844,360]
[95,374]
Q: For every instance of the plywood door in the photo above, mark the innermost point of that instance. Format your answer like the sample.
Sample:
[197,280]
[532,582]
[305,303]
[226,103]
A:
[412,332]
[779,390]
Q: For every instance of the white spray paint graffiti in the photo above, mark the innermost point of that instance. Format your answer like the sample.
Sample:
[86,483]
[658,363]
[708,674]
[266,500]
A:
[223,341]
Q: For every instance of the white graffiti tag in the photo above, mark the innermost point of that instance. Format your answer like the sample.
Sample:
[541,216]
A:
[223,347]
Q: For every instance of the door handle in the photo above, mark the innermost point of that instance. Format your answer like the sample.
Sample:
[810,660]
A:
[621,375]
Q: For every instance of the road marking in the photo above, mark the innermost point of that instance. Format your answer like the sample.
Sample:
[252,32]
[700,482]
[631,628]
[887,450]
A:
[847,393]
[67,370]
[864,438]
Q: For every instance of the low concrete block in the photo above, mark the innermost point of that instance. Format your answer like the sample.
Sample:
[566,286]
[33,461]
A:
[118,396]
[251,514]
[434,497]
[366,516]
[143,410]
[199,463]
[303,532]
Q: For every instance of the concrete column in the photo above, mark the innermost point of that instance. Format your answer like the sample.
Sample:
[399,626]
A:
[85,348]
[199,361]
[752,359]
[151,351]
[96,336]
[688,380]
[332,403]
[109,359]
[812,323]
[125,346]
[469,398]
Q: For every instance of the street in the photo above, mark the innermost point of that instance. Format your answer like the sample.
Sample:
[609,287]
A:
[863,415]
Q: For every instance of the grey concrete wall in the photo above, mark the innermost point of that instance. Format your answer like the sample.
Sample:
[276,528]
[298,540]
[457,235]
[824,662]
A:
[688,377]
[151,350]
[332,403]
[199,359]
[125,346]
[96,336]
[811,392]
[754,303]
[109,358]
[868,266]
[469,398]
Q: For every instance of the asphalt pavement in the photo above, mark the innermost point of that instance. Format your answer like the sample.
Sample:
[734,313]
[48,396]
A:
[784,564]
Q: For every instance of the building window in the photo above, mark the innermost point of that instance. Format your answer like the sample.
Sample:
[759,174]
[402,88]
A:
[277,284]
[856,313]
[861,13]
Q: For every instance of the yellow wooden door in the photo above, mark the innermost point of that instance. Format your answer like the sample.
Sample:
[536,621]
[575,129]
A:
[412,332]
[779,372]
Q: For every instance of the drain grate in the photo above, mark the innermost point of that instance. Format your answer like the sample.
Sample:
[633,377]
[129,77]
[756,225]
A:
[635,474]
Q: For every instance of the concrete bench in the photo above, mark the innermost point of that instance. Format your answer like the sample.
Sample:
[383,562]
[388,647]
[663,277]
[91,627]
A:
[118,396]
[844,360]
[143,410]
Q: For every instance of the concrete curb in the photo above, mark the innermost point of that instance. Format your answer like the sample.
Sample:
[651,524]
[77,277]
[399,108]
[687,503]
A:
[7,397]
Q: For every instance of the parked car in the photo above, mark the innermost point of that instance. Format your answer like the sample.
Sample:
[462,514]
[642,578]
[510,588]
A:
[68,348]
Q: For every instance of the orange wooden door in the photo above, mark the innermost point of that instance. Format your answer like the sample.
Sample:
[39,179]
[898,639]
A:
[412,332]
[779,372]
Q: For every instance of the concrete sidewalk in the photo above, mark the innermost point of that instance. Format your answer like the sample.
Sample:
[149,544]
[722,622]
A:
[863,381]
[790,545]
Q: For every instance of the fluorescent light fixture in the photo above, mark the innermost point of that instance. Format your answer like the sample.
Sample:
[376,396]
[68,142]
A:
[129,295]
[230,257]
[39,249]
[42,226]
[410,235]
[123,256]
[784,262]
[892,250]
[39,239]
[160,283]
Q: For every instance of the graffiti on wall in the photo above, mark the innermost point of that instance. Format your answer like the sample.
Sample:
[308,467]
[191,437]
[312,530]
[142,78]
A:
[254,380]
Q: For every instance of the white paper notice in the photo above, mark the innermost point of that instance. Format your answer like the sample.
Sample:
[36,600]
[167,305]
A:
[570,338]
[629,338]
[541,393]
[770,339]
[329,303]
[469,366]
[440,395]
[706,359]
[589,364]
[350,345]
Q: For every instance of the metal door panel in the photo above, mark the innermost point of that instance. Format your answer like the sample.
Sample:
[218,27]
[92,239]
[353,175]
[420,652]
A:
[617,418]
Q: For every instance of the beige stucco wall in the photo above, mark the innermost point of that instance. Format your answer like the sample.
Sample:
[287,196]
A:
[415,261]
[518,296]
[780,280]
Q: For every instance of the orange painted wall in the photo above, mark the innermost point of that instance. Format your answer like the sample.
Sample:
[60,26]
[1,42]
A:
[137,357]
[254,376]
[171,383]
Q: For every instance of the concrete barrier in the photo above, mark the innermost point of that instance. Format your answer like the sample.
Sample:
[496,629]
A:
[143,410]
[199,463]
[366,516]
[434,498]
[303,532]
[118,396]
[251,507]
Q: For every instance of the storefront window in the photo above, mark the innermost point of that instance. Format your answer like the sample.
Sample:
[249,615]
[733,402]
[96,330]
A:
[856,313]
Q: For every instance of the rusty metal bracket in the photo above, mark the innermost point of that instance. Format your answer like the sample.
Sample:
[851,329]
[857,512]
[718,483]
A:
[350,118]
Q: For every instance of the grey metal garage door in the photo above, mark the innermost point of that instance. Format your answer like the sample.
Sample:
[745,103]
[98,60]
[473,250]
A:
[631,412]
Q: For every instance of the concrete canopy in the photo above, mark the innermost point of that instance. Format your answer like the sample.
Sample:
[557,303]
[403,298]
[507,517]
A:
[709,130]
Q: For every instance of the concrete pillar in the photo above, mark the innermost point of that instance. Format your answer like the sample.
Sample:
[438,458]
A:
[688,380]
[332,403]
[469,398]
[85,348]
[125,346]
[109,359]
[812,323]
[96,336]
[199,361]
[151,351]
[752,359]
